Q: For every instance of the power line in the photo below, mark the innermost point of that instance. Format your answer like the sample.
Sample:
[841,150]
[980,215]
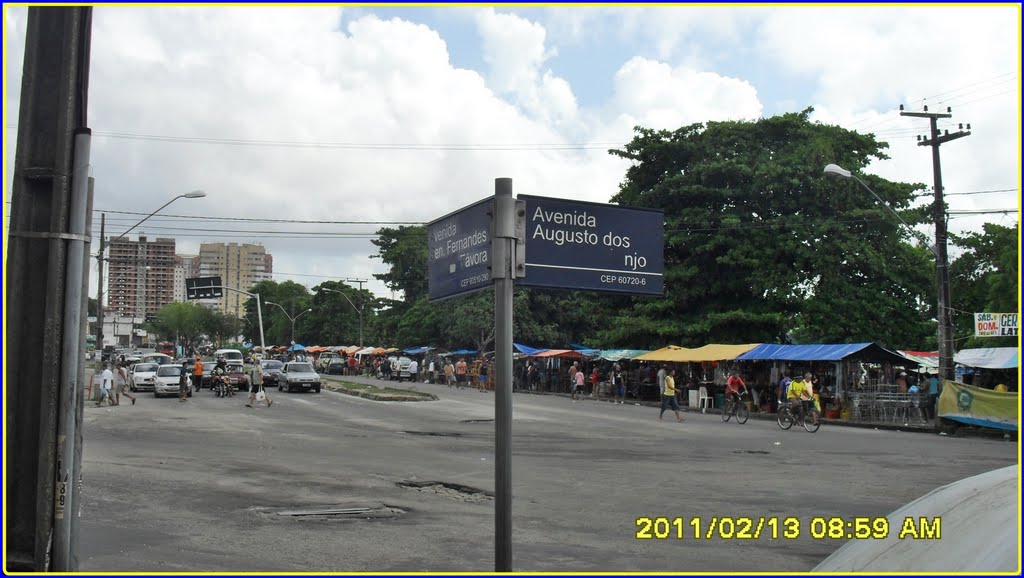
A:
[263,220]
[972,192]
[353,145]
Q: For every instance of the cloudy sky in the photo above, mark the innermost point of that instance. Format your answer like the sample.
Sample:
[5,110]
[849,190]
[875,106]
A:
[306,119]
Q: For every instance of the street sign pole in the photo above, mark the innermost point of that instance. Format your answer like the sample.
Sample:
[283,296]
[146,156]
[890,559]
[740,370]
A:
[503,247]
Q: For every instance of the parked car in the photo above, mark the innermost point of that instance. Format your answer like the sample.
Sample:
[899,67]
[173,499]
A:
[167,380]
[142,377]
[158,358]
[400,368]
[325,360]
[237,376]
[298,375]
[336,366]
[229,355]
[271,371]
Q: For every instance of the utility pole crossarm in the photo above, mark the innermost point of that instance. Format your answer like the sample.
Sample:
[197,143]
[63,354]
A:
[943,139]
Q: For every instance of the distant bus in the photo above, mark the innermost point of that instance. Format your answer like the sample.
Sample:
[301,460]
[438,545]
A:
[167,348]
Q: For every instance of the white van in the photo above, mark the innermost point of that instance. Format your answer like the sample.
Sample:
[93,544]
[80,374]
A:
[232,356]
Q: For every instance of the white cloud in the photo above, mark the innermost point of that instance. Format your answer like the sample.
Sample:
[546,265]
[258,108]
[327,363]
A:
[656,95]
[305,75]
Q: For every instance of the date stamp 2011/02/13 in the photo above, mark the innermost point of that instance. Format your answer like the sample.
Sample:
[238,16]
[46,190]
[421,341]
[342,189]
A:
[784,528]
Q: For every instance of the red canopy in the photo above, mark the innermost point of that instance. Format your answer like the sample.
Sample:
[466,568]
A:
[563,353]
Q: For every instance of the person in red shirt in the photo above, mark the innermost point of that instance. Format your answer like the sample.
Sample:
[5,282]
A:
[732,387]
[594,378]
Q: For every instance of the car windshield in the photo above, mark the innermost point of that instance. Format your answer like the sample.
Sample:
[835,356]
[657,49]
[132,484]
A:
[272,365]
[145,367]
[169,371]
[300,367]
[235,369]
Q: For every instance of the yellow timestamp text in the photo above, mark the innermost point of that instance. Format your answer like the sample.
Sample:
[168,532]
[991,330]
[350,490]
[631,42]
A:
[784,528]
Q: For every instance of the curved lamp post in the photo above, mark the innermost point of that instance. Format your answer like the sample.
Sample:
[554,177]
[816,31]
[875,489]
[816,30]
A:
[945,328]
[290,318]
[359,310]
[103,244]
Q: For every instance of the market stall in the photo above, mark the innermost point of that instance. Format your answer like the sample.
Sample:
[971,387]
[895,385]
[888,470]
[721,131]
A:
[860,376]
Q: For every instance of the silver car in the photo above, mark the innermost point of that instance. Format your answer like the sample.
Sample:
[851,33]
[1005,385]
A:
[167,380]
[142,376]
[298,376]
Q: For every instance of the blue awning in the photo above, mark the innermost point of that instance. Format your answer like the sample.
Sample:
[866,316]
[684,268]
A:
[526,349]
[869,352]
[465,352]
[416,350]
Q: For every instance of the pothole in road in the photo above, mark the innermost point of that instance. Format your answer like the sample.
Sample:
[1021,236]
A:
[448,490]
[751,452]
[477,421]
[447,434]
[334,512]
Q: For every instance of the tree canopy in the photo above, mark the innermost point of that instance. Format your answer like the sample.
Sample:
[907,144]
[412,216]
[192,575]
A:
[761,247]
[984,278]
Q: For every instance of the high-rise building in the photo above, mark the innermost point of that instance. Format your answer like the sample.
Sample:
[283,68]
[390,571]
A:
[141,276]
[239,266]
[185,267]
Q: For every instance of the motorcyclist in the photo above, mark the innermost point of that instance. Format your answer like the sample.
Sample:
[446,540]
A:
[220,372]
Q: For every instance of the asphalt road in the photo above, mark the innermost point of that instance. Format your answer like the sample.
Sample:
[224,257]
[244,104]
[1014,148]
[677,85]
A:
[197,486]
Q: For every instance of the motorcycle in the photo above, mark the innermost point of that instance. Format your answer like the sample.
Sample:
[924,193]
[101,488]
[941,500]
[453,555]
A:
[221,387]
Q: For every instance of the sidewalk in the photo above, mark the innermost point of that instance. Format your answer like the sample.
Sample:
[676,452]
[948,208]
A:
[919,428]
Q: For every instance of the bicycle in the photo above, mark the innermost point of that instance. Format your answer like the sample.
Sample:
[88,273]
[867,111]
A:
[738,409]
[809,418]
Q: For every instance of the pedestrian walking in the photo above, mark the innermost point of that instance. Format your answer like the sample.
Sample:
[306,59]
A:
[433,370]
[122,386]
[183,383]
[460,373]
[256,391]
[668,397]
[106,382]
[449,373]
[414,372]
[579,382]
[482,378]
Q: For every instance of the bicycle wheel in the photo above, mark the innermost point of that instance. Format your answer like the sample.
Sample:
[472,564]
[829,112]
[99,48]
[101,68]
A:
[742,413]
[727,411]
[812,420]
[785,419]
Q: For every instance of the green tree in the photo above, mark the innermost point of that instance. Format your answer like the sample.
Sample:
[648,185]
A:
[760,246]
[335,316]
[985,277]
[219,326]
[277,328]
[404,251]
[186,321]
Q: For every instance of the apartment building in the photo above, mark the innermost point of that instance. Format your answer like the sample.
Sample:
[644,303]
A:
[140,277]
[240,266]
[185,267]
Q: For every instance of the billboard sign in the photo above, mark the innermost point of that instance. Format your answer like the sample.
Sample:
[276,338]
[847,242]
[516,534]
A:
[996,325]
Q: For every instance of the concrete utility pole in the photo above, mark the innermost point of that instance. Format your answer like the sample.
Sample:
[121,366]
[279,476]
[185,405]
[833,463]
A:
[47,273]
[939,214]
[99,286]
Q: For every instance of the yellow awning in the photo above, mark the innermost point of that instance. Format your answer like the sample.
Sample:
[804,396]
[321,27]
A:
[710,352]
[668,353]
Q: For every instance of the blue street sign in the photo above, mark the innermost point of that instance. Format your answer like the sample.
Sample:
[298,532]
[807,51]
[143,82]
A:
[458,247]
[593,246]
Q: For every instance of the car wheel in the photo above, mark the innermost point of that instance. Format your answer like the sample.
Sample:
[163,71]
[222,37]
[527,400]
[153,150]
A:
[156,395]
[279,387]
[317,390]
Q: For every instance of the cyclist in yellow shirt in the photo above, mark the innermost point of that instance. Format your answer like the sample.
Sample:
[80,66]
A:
[799,390]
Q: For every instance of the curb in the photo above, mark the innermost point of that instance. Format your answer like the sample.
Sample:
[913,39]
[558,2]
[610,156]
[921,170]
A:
[382,396]
[763,416]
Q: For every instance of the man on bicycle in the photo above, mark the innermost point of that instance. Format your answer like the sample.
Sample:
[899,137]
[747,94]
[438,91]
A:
[732,388]
[799,391]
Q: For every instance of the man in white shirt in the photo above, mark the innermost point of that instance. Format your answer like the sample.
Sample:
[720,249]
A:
[413,370]
[662,374]
[106,382]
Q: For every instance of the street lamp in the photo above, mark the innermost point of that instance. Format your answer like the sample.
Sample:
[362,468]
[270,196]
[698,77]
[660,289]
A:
[99,265]
[290,318]
[359,310]
[942,279]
